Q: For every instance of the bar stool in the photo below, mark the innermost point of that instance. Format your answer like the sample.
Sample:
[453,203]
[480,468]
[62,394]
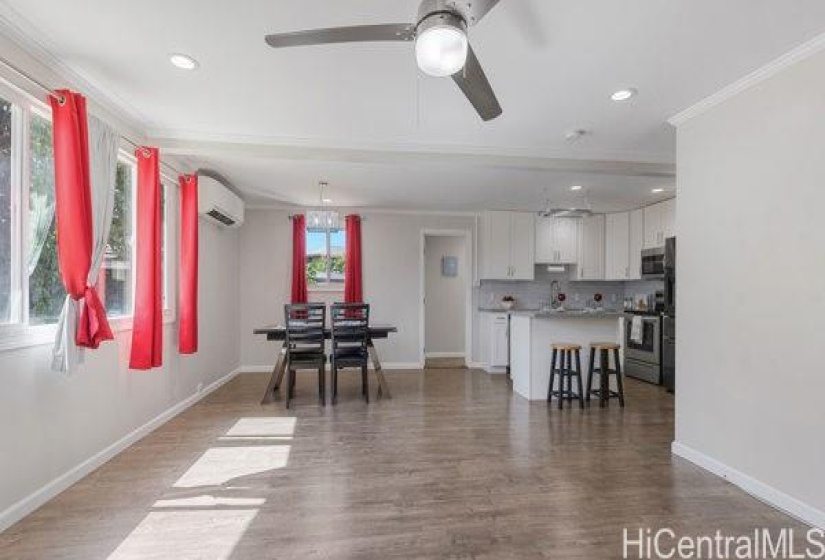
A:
[564,369]
[604,393]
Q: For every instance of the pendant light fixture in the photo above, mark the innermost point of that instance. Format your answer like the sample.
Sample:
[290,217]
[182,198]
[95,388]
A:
[323,217]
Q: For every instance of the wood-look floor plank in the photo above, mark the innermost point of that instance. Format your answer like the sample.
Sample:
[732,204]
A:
[454,466]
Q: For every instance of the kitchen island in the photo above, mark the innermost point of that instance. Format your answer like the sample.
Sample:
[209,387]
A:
[531,337]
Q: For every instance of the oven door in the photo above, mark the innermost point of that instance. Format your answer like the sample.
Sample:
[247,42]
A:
[647,349]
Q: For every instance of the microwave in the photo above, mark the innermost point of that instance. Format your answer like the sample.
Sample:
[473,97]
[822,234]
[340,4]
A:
[653,263]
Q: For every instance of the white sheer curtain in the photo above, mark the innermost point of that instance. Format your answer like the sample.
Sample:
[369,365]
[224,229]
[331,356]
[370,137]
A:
[103,149]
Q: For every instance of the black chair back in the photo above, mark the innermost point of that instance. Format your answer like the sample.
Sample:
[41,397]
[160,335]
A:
[350,328]
[304,328]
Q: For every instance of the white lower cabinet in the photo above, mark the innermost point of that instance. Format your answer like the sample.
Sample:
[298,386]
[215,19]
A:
[495,340]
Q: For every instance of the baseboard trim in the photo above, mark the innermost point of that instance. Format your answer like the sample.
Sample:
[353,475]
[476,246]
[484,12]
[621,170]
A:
[38,498]
[477,365]
[756,488]
[444,355]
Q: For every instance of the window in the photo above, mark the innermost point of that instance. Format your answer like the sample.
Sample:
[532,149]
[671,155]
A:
[117,270]
[31,290]
[46,292]
[325,256]
[6,211]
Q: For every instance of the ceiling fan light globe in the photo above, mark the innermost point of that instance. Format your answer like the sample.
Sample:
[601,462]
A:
[441,50]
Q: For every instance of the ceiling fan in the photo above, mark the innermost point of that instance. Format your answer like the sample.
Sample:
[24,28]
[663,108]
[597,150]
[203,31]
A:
[441,45]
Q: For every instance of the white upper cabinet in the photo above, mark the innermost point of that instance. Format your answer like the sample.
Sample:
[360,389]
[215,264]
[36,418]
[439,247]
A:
[660,223]
[591,248]
[617,246]
[557,240]
[508,250]
[637,241]
[523,246]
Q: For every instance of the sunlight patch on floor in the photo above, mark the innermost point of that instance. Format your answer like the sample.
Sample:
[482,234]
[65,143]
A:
[275,427]
[208,501]
[186,535]
[219,465]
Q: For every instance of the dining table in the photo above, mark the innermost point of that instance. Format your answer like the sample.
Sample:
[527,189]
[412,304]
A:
[277,333]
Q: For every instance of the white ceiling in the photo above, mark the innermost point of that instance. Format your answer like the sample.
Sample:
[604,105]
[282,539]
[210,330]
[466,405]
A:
[284,119]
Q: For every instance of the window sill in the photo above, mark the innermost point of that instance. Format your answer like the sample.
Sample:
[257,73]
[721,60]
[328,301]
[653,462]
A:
[15,337]
[326,289]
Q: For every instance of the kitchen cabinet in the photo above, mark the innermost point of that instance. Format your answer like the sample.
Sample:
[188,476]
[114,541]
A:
[617,246]
[591,248]
[659,223]
[499,341]
[557,240]
[508,250]
[637,242]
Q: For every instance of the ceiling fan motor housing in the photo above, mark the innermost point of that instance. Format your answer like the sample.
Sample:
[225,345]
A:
[440,12]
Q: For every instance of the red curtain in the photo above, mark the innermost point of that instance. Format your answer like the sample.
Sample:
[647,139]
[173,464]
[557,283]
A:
[353,286]
[147,331]
[73,201]
[188,298]
[299,259]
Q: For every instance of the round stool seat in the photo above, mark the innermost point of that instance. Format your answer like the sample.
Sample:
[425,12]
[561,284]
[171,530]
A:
[566,346]
[605,345]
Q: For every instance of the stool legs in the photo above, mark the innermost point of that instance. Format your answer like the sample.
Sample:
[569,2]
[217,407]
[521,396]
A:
[561,365]
[619,375]
[590,373]
[552,375]
[579,378]
[604,371]
[604,378]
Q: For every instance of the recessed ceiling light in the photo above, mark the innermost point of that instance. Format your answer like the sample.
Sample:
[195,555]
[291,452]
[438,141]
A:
[576,188]
[624,94]
[657,190]
[184,62]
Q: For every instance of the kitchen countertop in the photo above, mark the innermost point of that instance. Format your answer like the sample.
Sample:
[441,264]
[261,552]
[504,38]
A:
[567,314]
[575,314]
[514,310]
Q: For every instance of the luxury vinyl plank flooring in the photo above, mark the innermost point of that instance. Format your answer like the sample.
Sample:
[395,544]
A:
[454,466]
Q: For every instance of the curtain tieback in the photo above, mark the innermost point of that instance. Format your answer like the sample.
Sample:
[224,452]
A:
[92,323]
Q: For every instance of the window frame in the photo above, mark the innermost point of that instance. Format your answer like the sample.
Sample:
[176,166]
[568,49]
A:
[328,285]
[18,333]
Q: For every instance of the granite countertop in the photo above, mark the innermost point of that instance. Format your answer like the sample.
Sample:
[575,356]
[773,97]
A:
[484,309]
[577,313]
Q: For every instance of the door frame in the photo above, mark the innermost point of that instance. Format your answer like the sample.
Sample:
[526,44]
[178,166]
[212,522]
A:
[467,235]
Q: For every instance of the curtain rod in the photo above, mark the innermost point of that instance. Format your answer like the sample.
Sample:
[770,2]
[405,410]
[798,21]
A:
[48,91]
[290,216]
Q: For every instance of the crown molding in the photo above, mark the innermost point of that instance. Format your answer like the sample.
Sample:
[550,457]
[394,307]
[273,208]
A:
[28,38]
[800,53]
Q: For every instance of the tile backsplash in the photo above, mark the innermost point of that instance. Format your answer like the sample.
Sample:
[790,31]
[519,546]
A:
[532,294]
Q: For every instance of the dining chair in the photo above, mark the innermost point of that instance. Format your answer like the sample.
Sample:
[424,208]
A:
[350,343]
[305,344]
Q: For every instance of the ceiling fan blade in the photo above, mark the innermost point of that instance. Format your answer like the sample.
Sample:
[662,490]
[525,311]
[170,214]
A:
[353,34]
[477,9]
[473,83]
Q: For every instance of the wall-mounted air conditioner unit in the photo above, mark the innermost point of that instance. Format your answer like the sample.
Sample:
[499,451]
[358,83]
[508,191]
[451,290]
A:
[218,204]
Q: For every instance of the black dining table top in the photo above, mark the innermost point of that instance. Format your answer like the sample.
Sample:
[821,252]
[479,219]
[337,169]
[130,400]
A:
[278,332]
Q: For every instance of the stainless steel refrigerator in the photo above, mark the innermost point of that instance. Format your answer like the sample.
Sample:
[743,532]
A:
[669,318]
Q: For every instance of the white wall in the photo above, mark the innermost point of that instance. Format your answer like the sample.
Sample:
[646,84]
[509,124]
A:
[392,276]
[445,311]
[51,422]
[751,299]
